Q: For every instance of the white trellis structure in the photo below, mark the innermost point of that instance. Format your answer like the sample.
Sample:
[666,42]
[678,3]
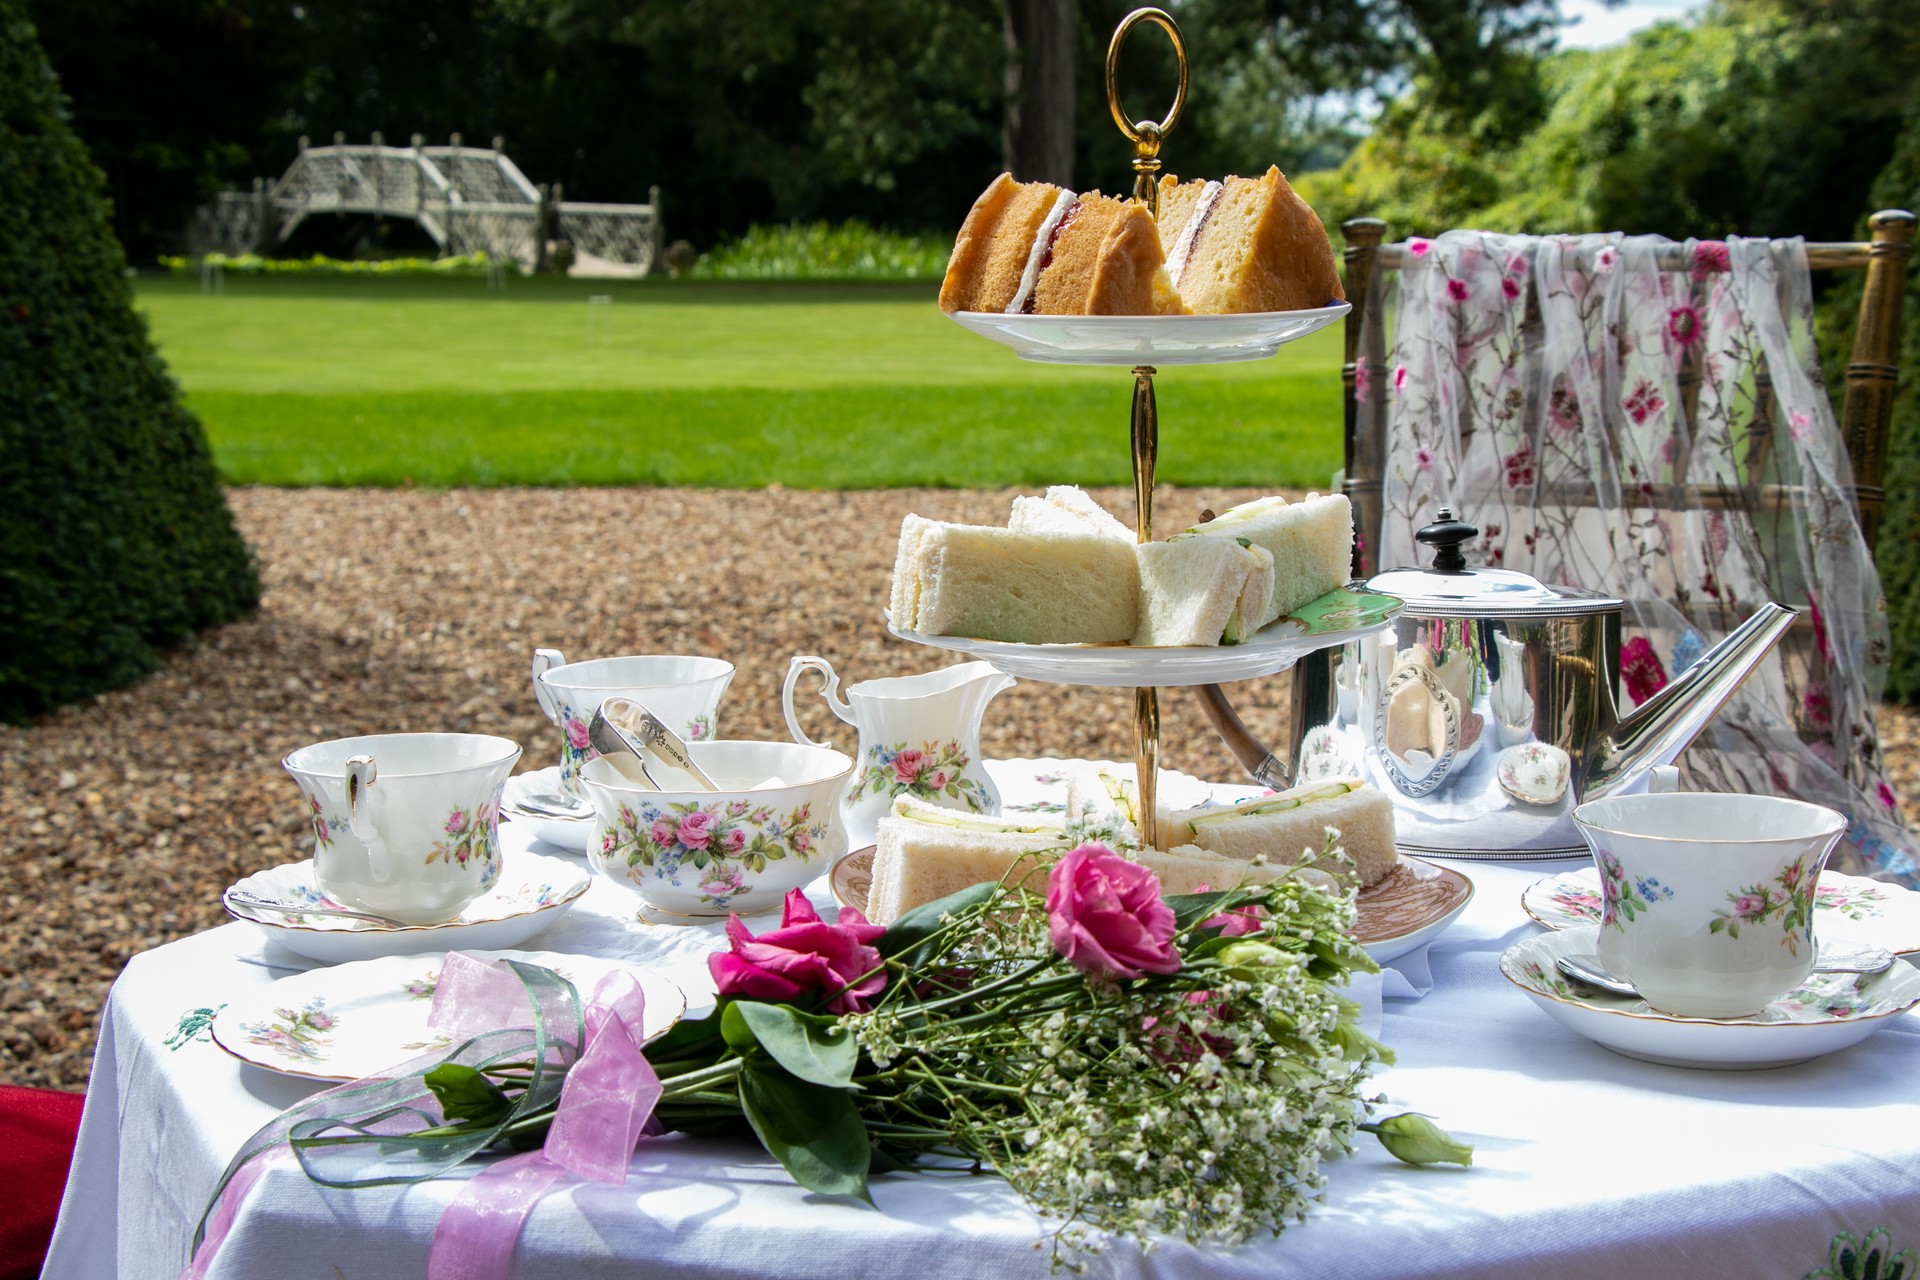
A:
[467,199]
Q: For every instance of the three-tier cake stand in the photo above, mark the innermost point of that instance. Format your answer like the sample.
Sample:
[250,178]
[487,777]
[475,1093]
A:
[1144,343]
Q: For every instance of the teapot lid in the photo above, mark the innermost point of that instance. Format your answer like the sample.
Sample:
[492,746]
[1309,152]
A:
[1452,589]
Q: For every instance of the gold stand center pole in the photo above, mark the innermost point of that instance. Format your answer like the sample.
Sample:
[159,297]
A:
[1146,701]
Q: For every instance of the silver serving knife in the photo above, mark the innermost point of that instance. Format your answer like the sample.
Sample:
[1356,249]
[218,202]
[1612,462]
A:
[654,736]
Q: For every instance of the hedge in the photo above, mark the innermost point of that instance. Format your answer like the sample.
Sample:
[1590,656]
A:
[115,538]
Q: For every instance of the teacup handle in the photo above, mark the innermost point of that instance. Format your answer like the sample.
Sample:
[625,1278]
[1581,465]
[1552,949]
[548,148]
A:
[1663,778]
[803,662]
[361,771]
[545,660]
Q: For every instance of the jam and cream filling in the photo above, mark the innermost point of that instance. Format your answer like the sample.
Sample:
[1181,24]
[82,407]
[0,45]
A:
[1042,252]
[1190,234]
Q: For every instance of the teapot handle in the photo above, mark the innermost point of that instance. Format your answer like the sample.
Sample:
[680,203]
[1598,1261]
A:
[831,692]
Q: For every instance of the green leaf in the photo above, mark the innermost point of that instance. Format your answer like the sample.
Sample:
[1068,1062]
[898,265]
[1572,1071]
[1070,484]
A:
[814,1132]
[1190,908]
[812,1046]
[466,1094]
[921,923]
[737,1030]
[689,1034]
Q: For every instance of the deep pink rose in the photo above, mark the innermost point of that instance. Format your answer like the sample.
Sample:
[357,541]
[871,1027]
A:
[696,829]
[577,734]
[661,831]
[805,954]
[734,841]
[456,822]
[1106,915]
[908,764]
[939,780]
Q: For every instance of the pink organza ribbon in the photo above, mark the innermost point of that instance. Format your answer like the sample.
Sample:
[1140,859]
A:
[605,1103]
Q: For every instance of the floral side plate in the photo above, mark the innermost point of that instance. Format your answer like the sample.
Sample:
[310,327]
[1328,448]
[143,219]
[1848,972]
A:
[1848,909]
[1343,614]
[532,894]
[1826,1013]
[1155,340]
[357,1019]
[1408,909]
[570,834]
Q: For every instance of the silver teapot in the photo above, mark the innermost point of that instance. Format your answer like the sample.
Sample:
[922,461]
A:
[1490,707]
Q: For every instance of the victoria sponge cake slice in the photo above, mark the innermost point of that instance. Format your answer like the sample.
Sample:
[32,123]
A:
[1245,244]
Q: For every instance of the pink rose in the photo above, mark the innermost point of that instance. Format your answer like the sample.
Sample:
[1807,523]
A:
[577,734]
[734,840]
[805,954]
[1750,904]
[696,829]
[661,832]
[456,822]
[801,842]
[908,764]
[1237,923]
[939,779]
[1106,915]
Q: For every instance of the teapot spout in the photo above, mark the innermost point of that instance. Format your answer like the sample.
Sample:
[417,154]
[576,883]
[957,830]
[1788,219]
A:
[1662,726]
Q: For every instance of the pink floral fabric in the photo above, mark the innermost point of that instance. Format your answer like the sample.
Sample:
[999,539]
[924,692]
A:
[1573,397]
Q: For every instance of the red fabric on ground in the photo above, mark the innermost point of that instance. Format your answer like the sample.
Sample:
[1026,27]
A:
[37,1128]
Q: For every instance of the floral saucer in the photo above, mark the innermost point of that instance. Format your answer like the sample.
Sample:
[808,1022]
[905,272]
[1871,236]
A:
[1826,1013]
[1408,909]
[532,894]
[358,1019]
[1845,908]
[516,802]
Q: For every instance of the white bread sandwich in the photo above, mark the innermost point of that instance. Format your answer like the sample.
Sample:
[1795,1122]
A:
[1066,508]
[1201,591]
[1191,869]
[1311,543]
[1014,585]
[922,853]
[1280,827]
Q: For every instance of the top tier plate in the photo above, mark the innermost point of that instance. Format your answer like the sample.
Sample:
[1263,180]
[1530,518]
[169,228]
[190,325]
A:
[1343,614]
[1154,340]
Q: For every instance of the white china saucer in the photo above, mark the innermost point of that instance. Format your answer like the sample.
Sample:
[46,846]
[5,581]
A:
[1342,615]
[532,894]
[570,834]
[1826,1013]
[357,1019]
[1155,340]
[1852,909]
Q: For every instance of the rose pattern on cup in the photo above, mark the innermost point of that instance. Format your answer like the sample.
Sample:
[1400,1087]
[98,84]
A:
[298,1035]
[1788,898]
[720,841]
[1580,906]
[1622,898]
[698,729]
[926,772]
[422,987]
[471,835]
[323,825]
[575,747]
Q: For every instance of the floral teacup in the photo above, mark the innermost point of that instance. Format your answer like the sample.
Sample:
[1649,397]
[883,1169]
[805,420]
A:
[773,825]
[405,824]
[684,692]
[1706,900]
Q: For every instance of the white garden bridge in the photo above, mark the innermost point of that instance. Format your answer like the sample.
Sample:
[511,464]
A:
[467,200]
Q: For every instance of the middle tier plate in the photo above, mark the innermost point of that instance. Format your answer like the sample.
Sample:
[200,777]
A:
[1343,614]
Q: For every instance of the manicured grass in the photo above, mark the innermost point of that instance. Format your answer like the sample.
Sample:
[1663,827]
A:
[438,382]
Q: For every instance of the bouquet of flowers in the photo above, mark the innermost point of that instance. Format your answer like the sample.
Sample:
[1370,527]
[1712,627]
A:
[1130,1064]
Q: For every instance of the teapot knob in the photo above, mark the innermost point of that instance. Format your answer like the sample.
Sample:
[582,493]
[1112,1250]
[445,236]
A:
[1445,535]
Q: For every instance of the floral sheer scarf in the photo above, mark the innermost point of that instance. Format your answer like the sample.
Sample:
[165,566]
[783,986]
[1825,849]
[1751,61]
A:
[1648,419]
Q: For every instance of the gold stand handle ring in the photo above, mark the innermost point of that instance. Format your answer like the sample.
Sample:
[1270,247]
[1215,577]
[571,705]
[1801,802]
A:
[1146,135]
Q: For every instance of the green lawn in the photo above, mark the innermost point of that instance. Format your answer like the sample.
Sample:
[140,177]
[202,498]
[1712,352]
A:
[438,382]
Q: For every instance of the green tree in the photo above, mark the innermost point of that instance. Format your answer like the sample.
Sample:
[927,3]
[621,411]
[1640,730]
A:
[114,535]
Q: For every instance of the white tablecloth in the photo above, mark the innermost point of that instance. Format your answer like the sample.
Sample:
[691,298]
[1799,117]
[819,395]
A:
[1586,1164]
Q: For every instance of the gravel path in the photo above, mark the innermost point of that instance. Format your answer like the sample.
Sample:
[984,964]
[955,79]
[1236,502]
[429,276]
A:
[120,822]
